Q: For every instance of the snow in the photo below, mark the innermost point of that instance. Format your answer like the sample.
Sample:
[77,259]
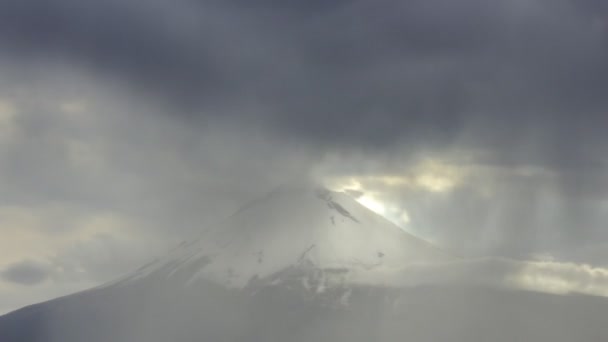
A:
[293,225]
[315,265]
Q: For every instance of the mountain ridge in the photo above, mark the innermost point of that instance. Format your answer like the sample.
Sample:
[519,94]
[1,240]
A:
[283,269]
[292,224]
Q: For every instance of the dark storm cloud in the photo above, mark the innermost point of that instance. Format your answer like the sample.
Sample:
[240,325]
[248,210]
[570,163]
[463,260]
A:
[367,73]
[25,273]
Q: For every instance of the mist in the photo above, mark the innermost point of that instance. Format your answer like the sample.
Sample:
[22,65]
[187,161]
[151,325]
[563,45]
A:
[478,127]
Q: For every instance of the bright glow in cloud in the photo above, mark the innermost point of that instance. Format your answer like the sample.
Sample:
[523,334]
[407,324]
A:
[430,174]
[548,277]
[437,176]
[372,204]
[434,183]
[344,184]
[561,278]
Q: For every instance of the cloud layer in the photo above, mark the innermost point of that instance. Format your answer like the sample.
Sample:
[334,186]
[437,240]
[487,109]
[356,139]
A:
[25,273]
[352,72]
[124,127]
[538,276]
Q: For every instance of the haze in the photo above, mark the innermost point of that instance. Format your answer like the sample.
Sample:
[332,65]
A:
[126,126]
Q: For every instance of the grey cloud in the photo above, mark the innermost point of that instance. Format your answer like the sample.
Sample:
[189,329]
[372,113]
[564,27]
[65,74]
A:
[539,276]
[26,273]
[103,257]
[199,106]
[490,209]
[121,181]
[349,72]
[131,159]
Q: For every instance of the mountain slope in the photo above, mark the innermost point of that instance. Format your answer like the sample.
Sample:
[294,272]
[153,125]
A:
[296,224]
[277,271]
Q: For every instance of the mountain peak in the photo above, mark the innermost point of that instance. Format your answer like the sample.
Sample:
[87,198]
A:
[297,223]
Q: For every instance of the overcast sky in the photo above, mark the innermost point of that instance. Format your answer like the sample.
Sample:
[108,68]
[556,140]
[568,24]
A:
[126,126]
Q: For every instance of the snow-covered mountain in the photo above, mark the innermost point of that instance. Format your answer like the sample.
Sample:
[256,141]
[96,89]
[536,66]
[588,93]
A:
[297,225]
[287,268]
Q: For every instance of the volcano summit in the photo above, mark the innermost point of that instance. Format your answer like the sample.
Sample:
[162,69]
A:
[296,265]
